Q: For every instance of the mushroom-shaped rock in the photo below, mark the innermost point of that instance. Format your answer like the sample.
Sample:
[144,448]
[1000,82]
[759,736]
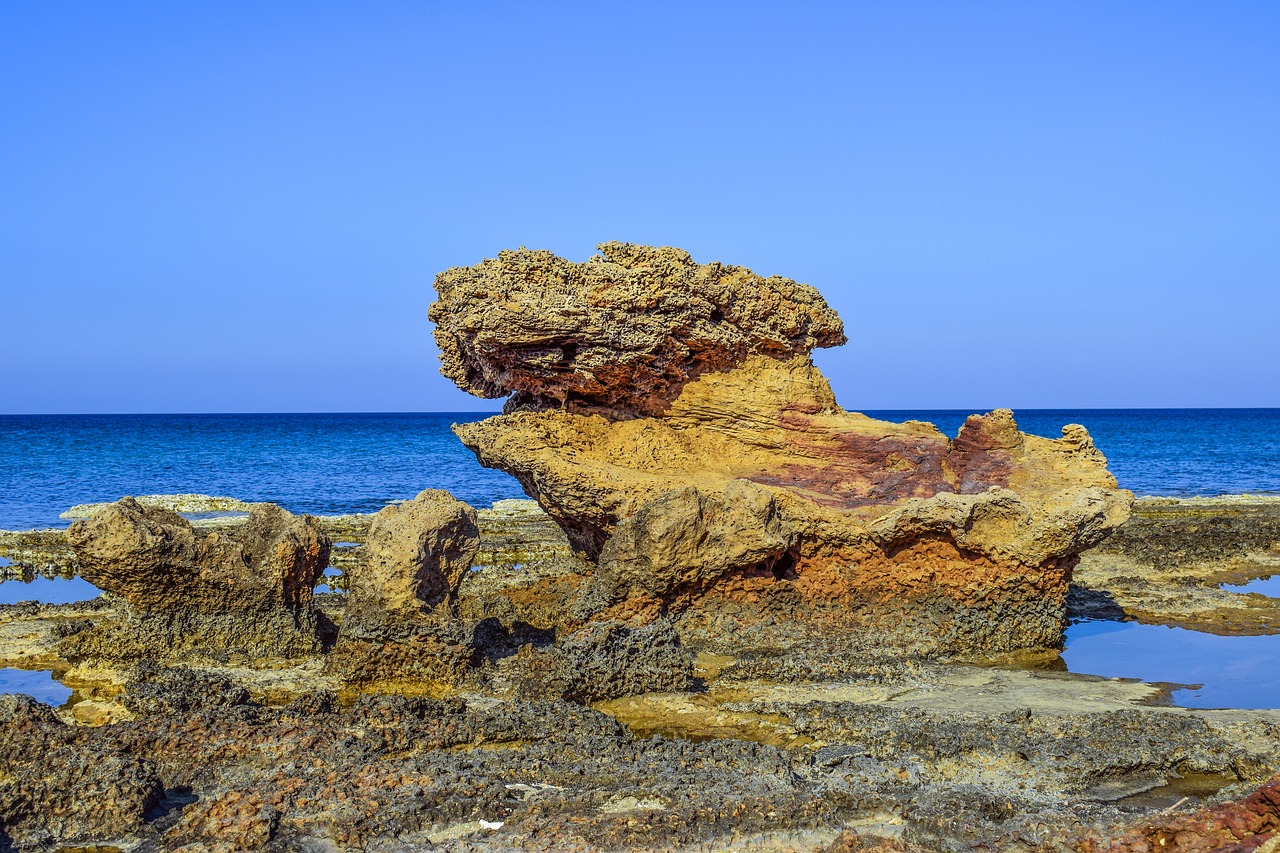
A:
[667,415]
[622,331]
[249,593]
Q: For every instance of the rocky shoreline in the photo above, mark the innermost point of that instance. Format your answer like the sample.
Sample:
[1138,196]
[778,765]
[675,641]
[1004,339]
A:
[736,617]
[935,754]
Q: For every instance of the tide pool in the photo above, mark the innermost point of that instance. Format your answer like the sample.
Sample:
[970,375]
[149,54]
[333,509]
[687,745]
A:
[1221,672]
[48,590]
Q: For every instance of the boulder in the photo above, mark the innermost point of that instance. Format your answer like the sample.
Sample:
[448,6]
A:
[247,594]
[415,557]
[622,332]
[400,626]
[697,456]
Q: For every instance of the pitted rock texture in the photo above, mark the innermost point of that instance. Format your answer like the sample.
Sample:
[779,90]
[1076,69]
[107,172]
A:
[247,593]
[620,332]
[1252,823]
[687,539]
[400,628]
[604,660]
[415,558]
[155,559]
[749,491]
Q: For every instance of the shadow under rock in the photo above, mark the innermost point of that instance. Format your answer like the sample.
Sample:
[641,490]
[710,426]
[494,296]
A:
[1085,604]
[492,641]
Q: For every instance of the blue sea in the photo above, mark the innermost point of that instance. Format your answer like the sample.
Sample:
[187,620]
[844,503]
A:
[339,463]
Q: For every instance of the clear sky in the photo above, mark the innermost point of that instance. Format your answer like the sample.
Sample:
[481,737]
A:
[223,206]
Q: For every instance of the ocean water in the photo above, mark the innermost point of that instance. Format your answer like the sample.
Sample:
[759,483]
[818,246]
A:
[315,463]
[336,463]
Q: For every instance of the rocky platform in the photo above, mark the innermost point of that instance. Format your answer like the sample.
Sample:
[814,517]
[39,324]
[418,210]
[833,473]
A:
[806,744]
[667,415]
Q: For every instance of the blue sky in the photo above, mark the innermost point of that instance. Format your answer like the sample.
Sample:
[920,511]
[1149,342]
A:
[241,206]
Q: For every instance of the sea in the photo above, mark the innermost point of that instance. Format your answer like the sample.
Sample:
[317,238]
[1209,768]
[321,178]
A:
[342,463]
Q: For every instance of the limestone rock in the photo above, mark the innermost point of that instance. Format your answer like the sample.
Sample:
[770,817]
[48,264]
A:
[400,627]
[622,331]
[687,539]
[1252,823]
[735,482]
[154,689]
[416,556]
[53,790]
[249,594]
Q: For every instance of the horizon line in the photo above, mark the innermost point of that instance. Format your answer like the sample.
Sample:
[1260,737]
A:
[490,413]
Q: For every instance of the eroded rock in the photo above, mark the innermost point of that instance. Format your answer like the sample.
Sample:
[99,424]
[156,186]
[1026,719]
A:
[415,558]
[247,594]
[686,539]
[735,485]
[621,332]
[401,625]
[603,660]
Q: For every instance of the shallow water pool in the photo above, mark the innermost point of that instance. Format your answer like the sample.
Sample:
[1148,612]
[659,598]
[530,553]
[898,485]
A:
[330,572]
[1263,586]
[1232,672]
[48,590]
[37,683]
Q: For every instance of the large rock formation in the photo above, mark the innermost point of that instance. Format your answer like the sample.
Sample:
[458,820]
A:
[247,594]
[400,624]
[667,415]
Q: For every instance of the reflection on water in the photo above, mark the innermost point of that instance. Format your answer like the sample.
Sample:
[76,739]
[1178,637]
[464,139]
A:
[48,590]
[1263,586]
[39,684]
[5,562]
[331,572]
[1232,672]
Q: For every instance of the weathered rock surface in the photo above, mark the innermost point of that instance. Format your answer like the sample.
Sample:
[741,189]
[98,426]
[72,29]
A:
[415,557]
[194,503]
[604,660]
[736,484]
[400,627]
[798,742]
[249,594]
[622,332]
[1251,824]
[1166,565]
[947,758]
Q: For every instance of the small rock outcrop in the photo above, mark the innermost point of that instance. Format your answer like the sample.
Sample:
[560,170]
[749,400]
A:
[416,556]
[247,594]
[667,415]
[401,618]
